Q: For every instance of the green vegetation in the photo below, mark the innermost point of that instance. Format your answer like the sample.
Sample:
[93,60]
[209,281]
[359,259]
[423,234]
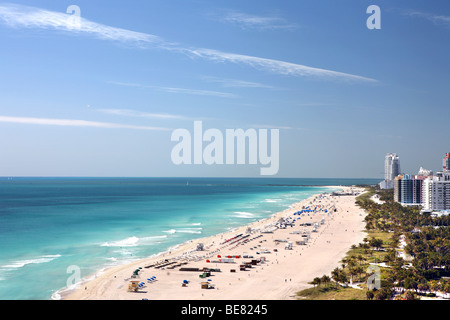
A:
[332,293]
[423,269]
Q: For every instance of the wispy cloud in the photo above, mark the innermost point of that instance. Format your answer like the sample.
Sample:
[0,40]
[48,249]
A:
[266,126]
[19,16]
[178,90]
[276,66]
[140,114]
[440,20]
[234,83]
[258,22]
[75,123]
[148,115]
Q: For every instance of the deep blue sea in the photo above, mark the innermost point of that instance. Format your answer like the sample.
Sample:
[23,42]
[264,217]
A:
[48,225]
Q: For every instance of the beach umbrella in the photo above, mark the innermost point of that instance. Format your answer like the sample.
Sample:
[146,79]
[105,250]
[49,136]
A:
[229,257]
[207,260]
[219,256]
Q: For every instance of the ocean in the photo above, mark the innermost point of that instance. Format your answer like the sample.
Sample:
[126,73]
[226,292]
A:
[49,226]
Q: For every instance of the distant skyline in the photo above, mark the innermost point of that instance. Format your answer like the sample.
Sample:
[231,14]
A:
[100,95]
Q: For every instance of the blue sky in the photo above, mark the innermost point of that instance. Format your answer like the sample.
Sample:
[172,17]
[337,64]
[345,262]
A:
[103,99]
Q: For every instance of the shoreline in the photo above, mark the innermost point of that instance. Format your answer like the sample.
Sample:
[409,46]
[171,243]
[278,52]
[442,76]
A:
[112,283]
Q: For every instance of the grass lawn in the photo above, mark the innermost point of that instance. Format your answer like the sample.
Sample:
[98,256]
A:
[372,255]
[331,293]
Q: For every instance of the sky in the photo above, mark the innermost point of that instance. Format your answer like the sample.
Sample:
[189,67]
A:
[97,88]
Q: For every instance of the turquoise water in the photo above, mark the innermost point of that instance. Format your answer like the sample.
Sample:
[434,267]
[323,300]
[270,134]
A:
[50,224]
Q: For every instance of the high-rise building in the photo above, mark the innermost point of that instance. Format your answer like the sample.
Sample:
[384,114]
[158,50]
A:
[391,170]
[408,189]
[436,193]
[430,190]
[417,190]
[398,188]
[446,162]
[391,166]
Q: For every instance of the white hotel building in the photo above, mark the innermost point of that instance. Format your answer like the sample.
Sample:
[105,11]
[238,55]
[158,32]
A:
[436,192]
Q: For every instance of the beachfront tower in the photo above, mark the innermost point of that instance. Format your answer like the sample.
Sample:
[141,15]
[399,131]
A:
[391,166]
[391,170]
[436,193]
[446,162]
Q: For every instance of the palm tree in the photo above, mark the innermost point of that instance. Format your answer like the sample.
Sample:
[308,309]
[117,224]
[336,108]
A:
[351,262]
[353,272]
[410,283]
[390,256]
[336,275]
[376,243]
[409,295]
[446,287]
[423,286]
[360,258]
[325,279]
[380,295]
[359,270]
[434,285]
[343,277]
[316,281]
[344,262]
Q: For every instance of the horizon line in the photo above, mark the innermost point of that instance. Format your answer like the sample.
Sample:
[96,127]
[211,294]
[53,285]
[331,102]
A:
[177,177]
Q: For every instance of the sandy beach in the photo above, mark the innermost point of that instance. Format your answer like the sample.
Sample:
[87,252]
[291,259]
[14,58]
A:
[270,259]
